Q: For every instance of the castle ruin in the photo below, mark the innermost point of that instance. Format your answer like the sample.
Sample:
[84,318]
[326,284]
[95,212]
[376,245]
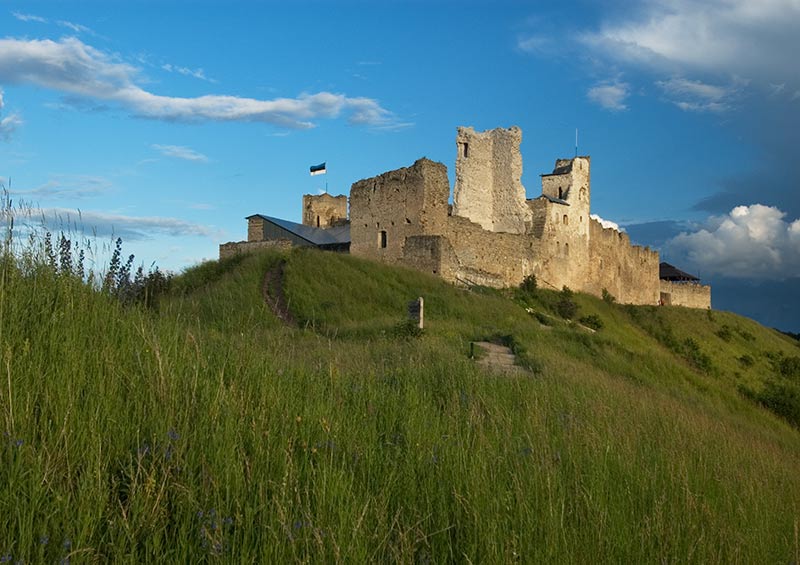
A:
[492,235]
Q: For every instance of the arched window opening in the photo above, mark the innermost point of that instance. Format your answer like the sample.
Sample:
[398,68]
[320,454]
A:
[566,219]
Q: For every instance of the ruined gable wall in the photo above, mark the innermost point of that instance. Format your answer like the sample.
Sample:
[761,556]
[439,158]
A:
[323,210]
[402,203]
[629,272]
[255,229]
[691,295]
[488,189]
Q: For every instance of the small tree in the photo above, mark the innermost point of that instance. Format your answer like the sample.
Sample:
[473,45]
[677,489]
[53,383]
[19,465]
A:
[608,298]
[529,284]
[565,306]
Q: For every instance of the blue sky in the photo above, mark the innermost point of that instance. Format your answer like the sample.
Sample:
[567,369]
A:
[168,122]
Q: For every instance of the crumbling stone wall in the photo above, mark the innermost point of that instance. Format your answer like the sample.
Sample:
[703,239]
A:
[487,258]
[488,189]
[387,209]
[236,247]
[324,210]
[689,294]
[255,228]
[629,272]
[495,237]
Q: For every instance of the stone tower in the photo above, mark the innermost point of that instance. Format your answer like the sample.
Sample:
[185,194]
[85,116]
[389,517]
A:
[488,189]
[324,210]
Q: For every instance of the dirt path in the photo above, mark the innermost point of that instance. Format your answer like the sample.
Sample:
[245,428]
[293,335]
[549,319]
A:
[498,358]
[272,290]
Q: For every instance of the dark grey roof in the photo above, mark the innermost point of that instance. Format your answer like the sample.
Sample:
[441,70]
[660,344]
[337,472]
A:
[556,200]
[563,169]
[318,236]
[669,272]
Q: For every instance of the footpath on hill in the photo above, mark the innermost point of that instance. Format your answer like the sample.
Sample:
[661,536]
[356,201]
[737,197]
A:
[272,290]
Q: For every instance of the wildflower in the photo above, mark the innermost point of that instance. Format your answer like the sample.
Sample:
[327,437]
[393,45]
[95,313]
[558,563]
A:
[18,442]
[5,558]
[298,419]
[67,544]
[43,540]
[173,435]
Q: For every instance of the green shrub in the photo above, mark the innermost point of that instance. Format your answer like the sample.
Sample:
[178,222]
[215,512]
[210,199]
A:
[746,360]
[725,333]
[782,398]
[566,307]
[592,321]
[608,298]
[529,285]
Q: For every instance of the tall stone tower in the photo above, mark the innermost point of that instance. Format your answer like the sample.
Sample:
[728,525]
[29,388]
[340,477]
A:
[488,189]
[570,182]
[324,210]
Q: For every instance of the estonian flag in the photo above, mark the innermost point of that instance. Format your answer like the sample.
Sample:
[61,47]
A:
[318,169]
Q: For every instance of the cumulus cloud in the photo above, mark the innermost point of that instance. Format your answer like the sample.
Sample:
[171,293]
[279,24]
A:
[737,37]
[606,223]
[75,68]
[180,152]
[751,242]
[610,95]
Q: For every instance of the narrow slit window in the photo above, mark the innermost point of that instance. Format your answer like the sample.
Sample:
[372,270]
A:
[566,219]
[465,149]
[317,221]
[382,239]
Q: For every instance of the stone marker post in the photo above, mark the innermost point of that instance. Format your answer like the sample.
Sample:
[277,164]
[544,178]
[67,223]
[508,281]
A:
[416,311]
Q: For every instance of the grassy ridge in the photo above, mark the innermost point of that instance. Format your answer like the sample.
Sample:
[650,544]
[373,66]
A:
[207,430]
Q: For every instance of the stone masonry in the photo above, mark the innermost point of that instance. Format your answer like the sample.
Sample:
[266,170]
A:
[324,210]
[493,235]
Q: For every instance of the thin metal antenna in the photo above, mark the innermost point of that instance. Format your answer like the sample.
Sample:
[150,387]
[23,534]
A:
[576,142]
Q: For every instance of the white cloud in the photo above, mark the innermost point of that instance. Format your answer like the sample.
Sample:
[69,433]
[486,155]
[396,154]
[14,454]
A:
[752,242]
[29,18]
[697,96]
[126,227]
[67,187]
[77,28]
[534,43]
[74,68]
[10,123]
[610,95]
[606,223]
[736,37]
[180,152]
[196,73]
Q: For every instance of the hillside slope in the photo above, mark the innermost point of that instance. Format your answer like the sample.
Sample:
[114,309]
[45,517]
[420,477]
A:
[207,428]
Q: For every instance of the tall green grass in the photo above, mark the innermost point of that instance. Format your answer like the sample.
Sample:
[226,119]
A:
[205,430]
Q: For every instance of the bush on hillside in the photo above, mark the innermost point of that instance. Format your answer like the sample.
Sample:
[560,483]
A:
[592,321]
[529,285]
[608,298]
[566,307]
[782,398]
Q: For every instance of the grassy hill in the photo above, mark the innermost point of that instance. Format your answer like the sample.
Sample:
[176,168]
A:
[201,428]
